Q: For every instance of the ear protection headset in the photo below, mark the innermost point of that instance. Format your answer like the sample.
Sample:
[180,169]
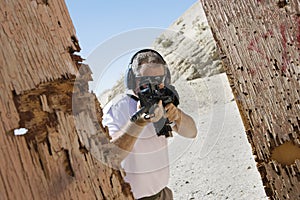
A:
[130,82]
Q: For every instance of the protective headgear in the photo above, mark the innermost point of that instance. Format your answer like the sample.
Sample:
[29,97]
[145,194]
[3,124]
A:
[130,77]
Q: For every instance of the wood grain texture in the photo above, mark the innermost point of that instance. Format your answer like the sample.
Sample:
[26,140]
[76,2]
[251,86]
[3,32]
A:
[259,43]
[40,74]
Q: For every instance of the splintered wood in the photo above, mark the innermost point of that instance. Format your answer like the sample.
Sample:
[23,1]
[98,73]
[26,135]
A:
[66,153]
[259,43]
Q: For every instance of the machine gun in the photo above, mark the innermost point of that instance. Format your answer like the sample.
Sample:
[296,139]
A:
[151,95]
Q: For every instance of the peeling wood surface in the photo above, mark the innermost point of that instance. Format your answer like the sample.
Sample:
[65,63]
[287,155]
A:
[36,38]
[259,41]
[39,77]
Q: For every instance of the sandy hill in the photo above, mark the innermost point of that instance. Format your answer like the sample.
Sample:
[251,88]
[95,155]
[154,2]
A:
[187,46]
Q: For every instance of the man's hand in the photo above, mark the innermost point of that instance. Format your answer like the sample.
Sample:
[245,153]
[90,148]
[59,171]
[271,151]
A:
[157,111]
[173,113]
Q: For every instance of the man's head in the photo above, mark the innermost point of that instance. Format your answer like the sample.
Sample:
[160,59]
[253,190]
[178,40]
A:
[147,66]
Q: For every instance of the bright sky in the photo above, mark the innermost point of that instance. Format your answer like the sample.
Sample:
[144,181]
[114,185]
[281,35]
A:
[111,31]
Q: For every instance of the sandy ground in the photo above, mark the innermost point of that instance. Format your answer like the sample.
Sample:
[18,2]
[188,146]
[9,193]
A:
[218,164]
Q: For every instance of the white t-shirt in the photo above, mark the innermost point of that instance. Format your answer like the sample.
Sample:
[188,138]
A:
[147,165]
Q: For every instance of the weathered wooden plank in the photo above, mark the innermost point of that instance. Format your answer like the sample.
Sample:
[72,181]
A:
[39,78]
[259,41]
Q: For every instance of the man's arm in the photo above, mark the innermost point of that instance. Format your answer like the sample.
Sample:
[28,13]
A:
[124,132]
[125,138]
[184,124]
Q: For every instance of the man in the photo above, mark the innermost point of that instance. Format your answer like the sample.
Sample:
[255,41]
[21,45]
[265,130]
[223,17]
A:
[144,154]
